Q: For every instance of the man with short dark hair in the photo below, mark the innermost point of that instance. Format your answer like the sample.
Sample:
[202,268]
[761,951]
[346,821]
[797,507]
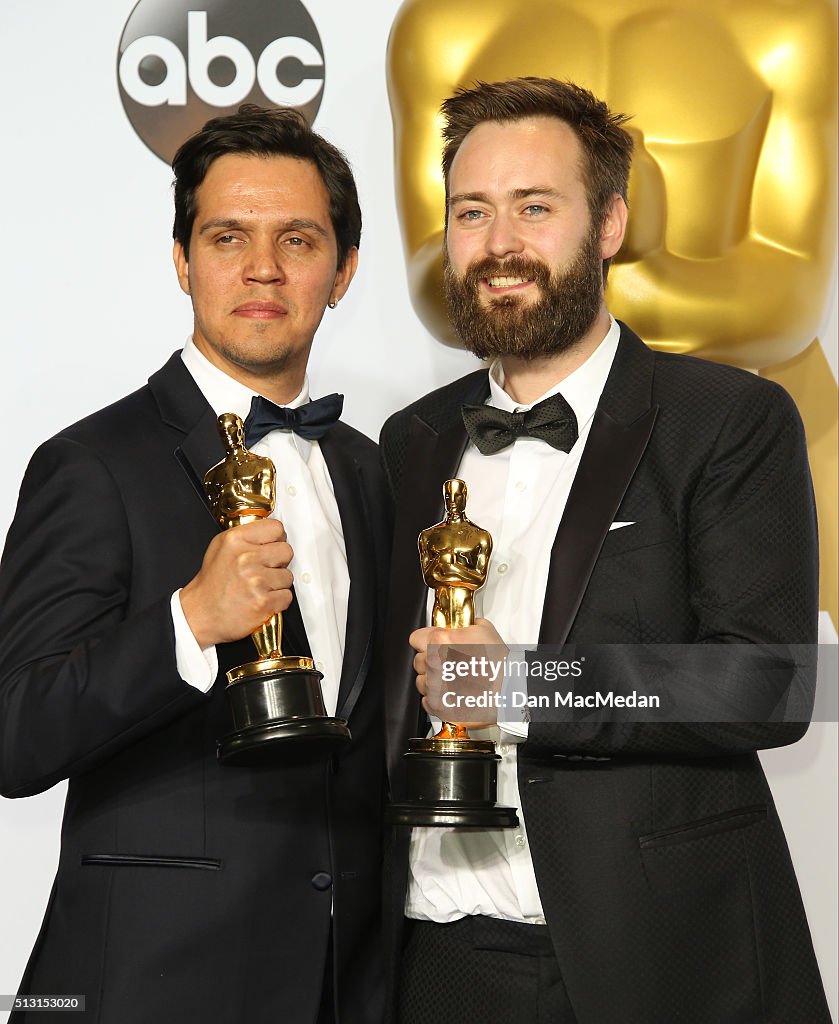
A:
[187,890]
[634,498]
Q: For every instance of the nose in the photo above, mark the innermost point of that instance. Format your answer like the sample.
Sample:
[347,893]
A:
[263,264]
[503,237]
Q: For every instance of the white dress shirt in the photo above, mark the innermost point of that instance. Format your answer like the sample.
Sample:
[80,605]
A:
[306,505]
[519,496]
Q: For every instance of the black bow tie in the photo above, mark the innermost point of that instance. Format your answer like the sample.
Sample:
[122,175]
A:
[310,421]
[492,429]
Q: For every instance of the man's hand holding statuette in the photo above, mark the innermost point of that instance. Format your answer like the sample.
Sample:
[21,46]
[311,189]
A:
[243,580]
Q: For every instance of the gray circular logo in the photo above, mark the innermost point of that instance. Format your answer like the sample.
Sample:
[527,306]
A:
[179,66]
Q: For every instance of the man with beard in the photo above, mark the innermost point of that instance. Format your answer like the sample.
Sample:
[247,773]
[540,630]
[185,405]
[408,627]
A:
[634,498]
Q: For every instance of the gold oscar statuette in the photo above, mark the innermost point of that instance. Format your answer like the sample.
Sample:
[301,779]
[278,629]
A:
[451,779]
[276,700]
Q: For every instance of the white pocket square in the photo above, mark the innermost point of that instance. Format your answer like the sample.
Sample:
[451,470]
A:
[618,526]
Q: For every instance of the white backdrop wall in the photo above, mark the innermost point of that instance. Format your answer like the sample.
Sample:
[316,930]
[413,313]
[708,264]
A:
[91,307]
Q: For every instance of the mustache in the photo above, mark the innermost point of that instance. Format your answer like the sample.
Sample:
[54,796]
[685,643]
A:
[513,266]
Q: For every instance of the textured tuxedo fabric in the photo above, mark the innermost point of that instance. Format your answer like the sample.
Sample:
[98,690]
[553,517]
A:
[481,969]
[185,891]
[662,867]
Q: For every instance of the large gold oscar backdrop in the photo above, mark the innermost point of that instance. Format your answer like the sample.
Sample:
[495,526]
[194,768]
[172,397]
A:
[732,239]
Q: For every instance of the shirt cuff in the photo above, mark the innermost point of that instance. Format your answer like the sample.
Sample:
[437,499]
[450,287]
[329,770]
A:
[196,666]
[514,719]
[514,732]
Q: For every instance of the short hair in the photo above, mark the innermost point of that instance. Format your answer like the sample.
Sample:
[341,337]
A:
[256,131]
[606,145]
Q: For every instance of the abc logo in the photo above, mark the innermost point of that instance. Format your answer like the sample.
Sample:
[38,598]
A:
[179,66]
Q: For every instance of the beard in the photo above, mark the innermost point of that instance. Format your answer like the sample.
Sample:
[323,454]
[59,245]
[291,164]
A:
[568,303]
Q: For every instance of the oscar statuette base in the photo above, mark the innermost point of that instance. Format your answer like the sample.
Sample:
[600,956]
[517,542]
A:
[279,715]
[451,782]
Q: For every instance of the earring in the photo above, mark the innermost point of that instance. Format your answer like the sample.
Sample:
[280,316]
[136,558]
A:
[332,303]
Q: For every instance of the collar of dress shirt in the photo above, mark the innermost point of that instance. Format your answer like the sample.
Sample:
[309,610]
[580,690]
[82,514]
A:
[225,394]
[580,389]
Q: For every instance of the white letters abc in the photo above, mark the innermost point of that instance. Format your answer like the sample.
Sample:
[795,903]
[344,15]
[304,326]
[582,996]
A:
[201,52]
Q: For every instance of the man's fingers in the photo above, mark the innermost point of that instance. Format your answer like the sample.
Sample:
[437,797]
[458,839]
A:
[244,580]
[434,656]
[262,582]
[419,639]
[278,600]
[264,579]
[276,555]
[268,548]
[260,531]
[259,560]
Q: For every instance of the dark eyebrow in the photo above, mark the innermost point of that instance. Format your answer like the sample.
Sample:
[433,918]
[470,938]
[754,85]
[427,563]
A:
[296,224]
[535,190]
[468,197]
[302,224]
[516,193]
[211,225]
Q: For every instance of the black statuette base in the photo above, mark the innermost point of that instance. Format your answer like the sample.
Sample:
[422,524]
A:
[451,788]
[280,716]
[450,815]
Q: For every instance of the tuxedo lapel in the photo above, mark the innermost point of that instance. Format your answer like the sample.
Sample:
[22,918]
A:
[433,456]
[201,449]
[183,406]
[619,434]
[356,518]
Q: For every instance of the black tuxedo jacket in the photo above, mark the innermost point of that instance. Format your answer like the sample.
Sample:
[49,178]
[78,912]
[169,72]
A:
[660,861]
[185,891]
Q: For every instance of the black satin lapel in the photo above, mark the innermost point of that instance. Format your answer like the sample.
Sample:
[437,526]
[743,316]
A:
[350,494]
[431,459]
[179,399]
[443,465]
[182,405]
[294,639]
[611,456]
[201,449]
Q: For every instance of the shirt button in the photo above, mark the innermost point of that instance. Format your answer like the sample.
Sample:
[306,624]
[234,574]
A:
[502,568]
[539,920]
[306,577]
[319,666]
[322,881]
[520,841]
[291,489]
[503,748]
[521,485]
